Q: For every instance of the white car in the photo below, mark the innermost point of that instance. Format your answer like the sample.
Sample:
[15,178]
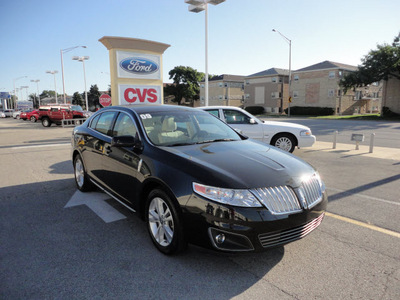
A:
[283,135]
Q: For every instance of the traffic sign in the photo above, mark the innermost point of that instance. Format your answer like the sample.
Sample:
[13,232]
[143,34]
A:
[290,99]
[105,100]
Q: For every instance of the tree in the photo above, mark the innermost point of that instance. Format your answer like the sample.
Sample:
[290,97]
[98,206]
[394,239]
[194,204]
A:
[93,97]
[185,84]
[379,64]
[77,99]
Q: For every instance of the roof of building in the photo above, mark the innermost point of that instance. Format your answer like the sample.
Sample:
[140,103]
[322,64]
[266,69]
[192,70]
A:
[226,77]
[327,65]
[270,72]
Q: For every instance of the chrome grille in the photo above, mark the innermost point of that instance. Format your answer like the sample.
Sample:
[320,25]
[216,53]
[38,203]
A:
[278,200]
[311,191]
[286,236]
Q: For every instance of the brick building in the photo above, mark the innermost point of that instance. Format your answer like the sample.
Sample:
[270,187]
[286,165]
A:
[268,88]
[223,90]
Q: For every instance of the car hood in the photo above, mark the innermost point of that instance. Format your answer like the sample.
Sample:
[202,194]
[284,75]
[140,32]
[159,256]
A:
[286,125]
[241,164]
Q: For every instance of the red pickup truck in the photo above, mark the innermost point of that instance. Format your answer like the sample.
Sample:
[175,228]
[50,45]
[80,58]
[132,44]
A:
[49,114]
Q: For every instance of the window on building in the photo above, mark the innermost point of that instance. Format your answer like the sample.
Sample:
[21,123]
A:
[247,82]
[332,74]
[295,94]
[202,86]
[280,79]
[331,93]
[273,79]
[296,77]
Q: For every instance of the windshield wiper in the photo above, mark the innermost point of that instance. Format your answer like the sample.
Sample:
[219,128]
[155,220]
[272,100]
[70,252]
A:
[180,144]
[216,140]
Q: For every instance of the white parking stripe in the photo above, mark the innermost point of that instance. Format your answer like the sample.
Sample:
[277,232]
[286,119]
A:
[365,196]
[40,146]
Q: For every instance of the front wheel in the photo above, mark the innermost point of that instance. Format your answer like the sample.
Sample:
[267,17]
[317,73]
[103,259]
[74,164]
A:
[46,122]
[33,119]
[284,142]
[164,224]
[81,177]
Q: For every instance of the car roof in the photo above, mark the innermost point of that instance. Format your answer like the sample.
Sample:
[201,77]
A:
[139,108]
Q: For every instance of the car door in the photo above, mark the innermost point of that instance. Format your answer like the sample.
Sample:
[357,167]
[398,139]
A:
[238,120]
[95,144]
[121,164]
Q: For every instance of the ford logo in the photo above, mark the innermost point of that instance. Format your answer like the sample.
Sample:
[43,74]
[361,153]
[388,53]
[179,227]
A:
[139,65]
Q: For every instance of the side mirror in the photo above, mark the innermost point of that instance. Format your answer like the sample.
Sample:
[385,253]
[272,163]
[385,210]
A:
[127,141]
[252,121]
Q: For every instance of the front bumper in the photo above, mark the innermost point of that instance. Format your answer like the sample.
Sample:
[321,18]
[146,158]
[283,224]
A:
[240,229]
[306,141]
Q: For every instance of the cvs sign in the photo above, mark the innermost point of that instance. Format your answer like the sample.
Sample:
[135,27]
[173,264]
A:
[139,94]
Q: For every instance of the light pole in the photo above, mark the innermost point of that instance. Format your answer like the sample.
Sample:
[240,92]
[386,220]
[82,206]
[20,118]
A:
[25,87]
[55,83]
[290,64]
[197,6]
[37,85]
[62,67]
[82,59]
[15,93]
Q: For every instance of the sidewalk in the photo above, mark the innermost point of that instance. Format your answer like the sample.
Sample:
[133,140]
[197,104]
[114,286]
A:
[349,149]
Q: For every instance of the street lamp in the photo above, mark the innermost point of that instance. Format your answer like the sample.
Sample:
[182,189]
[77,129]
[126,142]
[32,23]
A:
[62,67]
[25,87]
[37,85]
[15,92]
[197,6]
[82,59]
[290,64]
[55,83]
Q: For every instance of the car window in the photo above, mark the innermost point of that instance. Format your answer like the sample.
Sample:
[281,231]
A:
[124,126]
[214,112]
[185,127]
[94,121]
[105,122]
[236,117]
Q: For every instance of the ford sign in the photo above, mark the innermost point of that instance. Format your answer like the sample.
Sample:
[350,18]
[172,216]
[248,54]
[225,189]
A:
[139,65]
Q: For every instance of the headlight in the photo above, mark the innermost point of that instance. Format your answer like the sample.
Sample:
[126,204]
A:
[227,196]
[305,133]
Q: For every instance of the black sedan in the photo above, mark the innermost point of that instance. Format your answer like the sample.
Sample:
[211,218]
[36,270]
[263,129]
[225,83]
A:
[194,179]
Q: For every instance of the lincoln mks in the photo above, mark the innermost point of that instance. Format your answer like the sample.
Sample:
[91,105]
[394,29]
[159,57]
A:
[193,179]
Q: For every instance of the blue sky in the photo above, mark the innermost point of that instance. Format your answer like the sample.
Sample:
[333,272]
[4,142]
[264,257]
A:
[241,40]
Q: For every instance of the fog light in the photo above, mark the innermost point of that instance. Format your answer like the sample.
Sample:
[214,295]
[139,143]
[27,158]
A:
[220,238]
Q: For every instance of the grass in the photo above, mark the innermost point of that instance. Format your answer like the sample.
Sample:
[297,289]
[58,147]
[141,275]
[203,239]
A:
[369,117]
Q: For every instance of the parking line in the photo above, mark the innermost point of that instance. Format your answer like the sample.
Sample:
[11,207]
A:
[365,225]
[39,146]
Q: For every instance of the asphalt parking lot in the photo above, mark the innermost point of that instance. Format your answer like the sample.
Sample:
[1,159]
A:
[57,244]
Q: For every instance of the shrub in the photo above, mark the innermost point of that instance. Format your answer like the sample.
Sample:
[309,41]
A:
[255,110]
[386,112]
[310,111]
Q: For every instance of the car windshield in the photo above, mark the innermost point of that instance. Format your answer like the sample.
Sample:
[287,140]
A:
[178,128]
[76,108]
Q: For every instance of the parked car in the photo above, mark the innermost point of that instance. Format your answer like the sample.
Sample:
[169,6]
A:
[7,113]
[16,114]
[194,179]
[55,113]
[31,115]
[2,114]
[283,135]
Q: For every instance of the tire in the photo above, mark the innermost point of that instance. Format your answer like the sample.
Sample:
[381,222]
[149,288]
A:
[33,119]
[285,142]
[18,117]
[81,178]
[164,224]
[46,122]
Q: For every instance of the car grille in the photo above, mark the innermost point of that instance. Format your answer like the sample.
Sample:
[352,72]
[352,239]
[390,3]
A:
[278,200]
[283,237]
[284,200]
[311,191]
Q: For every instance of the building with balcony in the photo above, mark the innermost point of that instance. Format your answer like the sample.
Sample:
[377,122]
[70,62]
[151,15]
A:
[223,90]
[318,86]
[269,89]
